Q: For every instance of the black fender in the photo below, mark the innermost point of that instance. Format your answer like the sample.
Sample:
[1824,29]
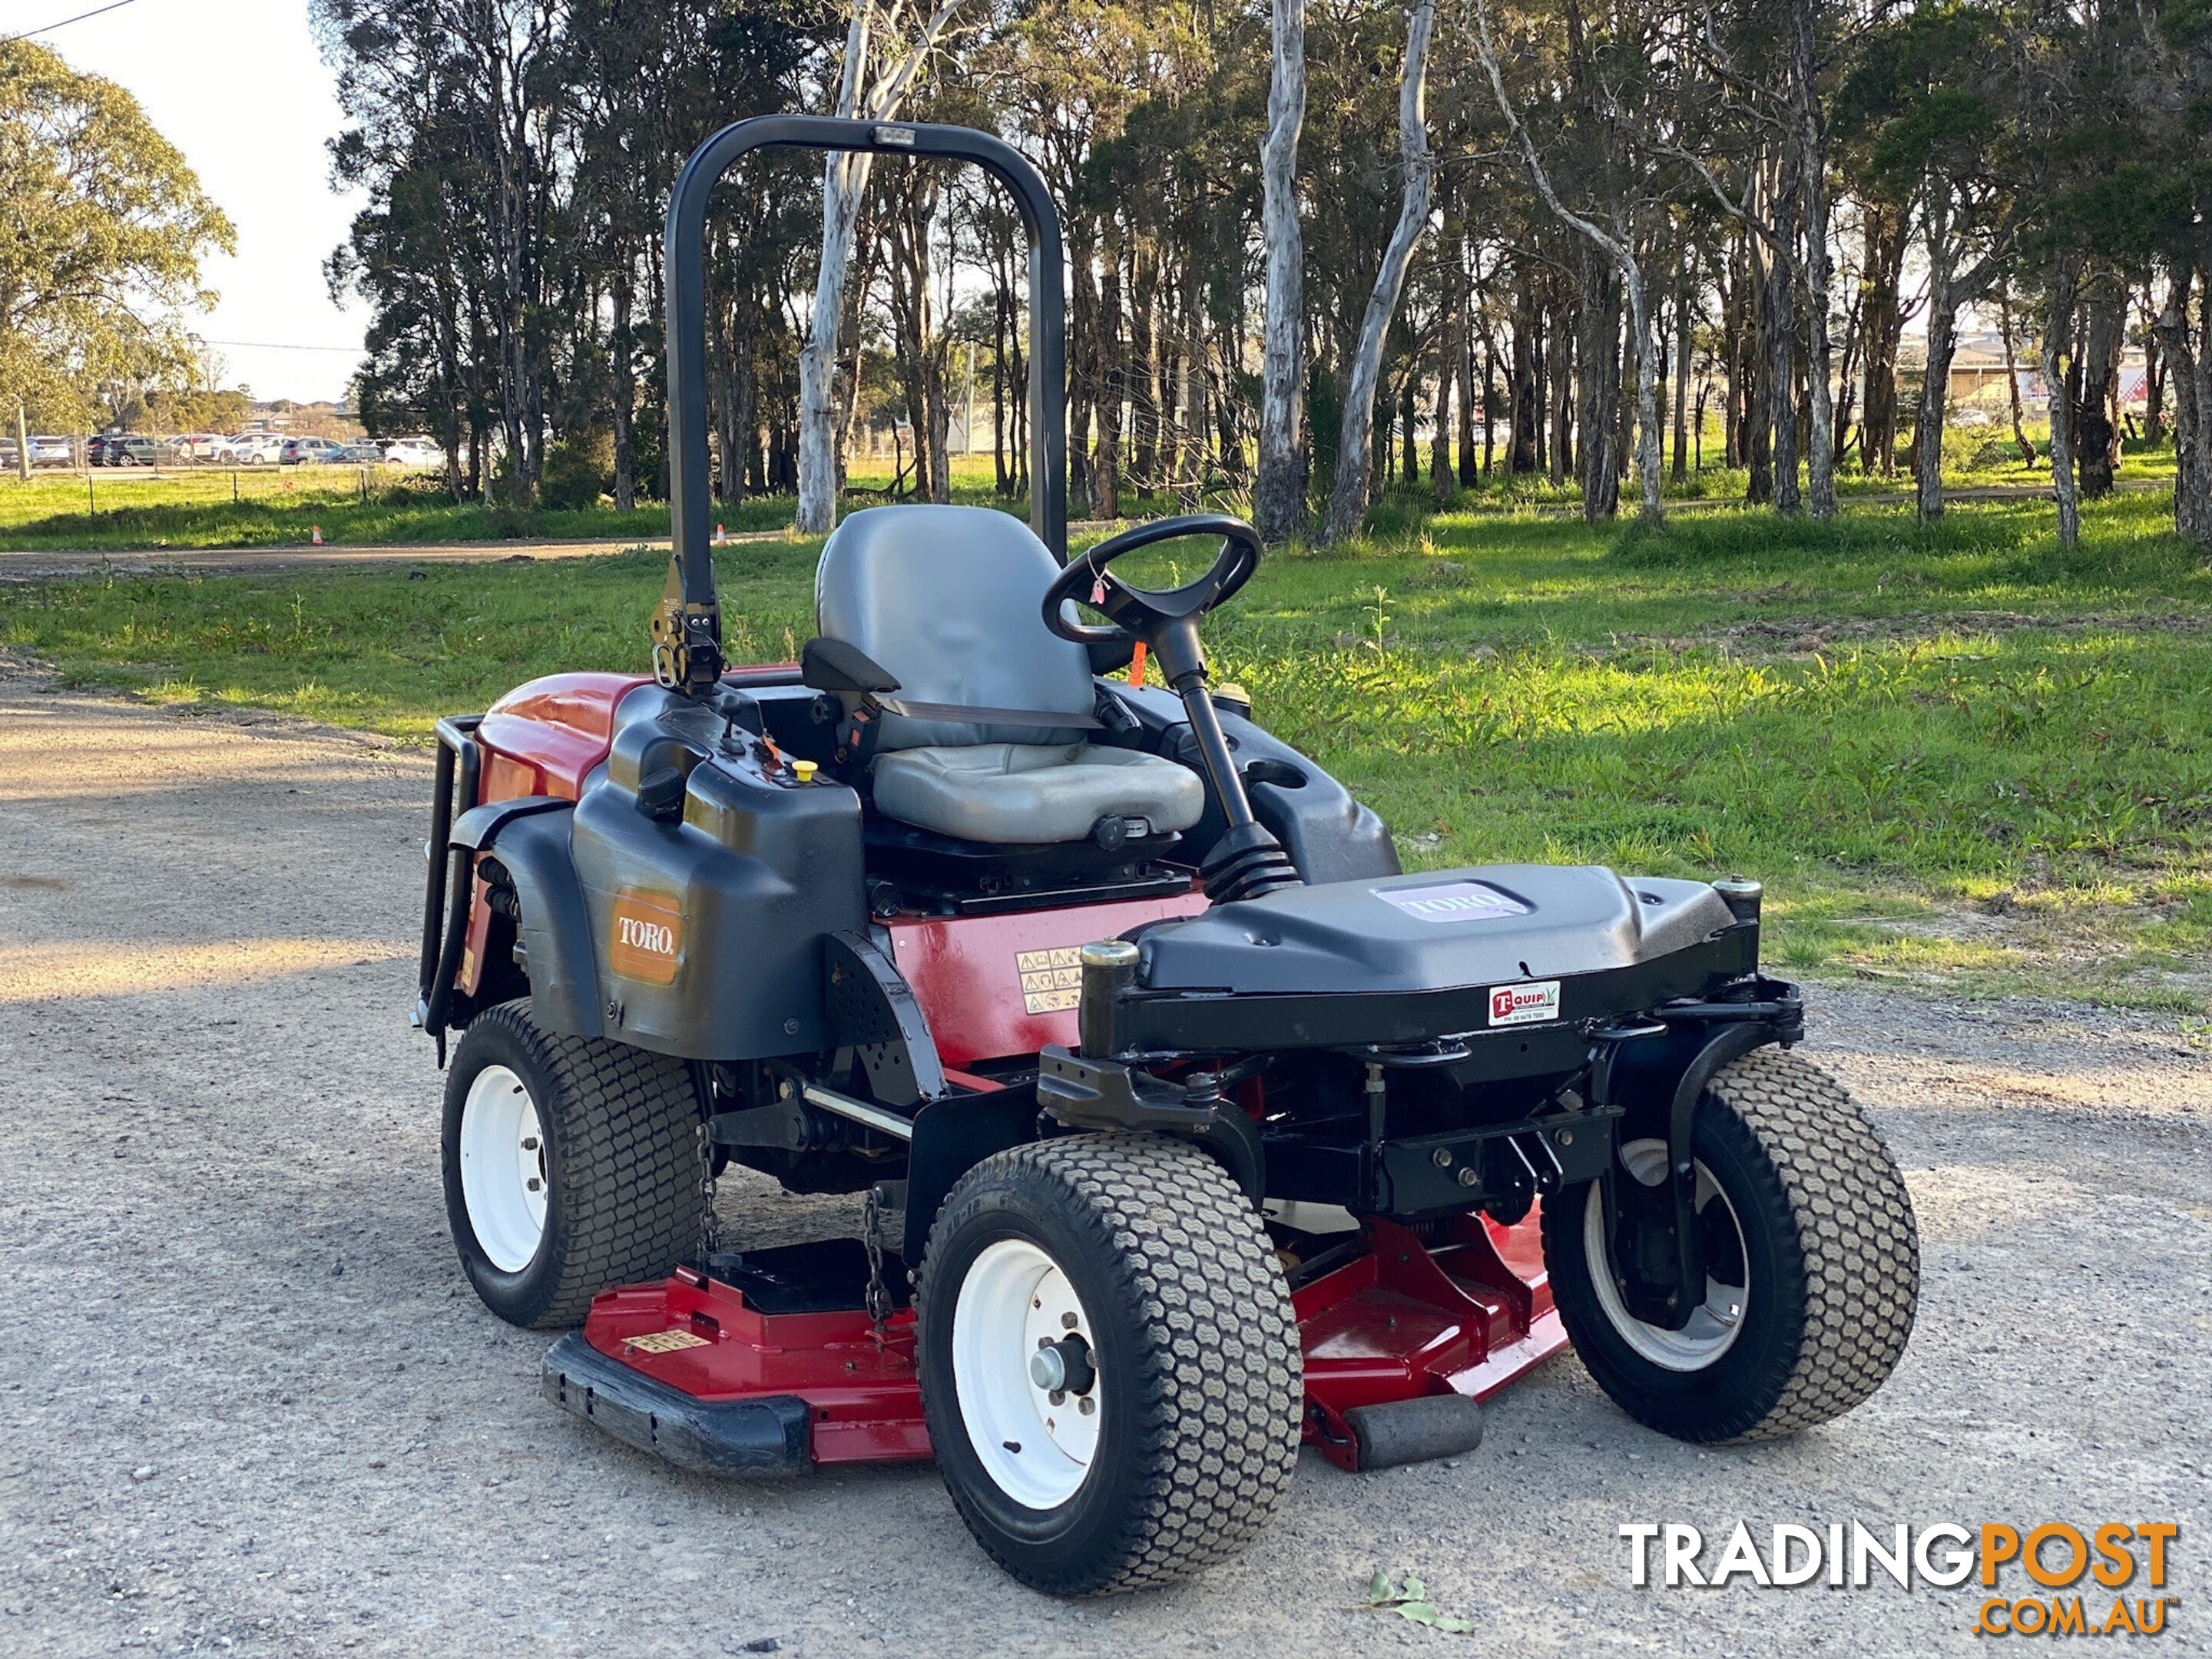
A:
[530,839]
[951,1136]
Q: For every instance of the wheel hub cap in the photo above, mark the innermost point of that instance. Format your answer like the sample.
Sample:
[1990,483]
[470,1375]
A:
[504,1179]
[1713,1324]
[1024,1369]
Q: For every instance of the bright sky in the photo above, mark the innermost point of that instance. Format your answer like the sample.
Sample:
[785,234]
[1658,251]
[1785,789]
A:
[237,86]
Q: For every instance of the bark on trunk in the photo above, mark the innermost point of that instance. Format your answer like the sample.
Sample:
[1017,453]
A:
[2058,327]
[2106,302]
[1278,496]
[1683,289]
[2012,381]
[1811,138]
[1882,326]
[1348,497]
[621,364]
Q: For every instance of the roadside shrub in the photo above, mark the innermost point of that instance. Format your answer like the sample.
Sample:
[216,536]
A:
[578,469]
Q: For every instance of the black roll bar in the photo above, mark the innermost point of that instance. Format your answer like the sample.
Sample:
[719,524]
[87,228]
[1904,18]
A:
[688,628]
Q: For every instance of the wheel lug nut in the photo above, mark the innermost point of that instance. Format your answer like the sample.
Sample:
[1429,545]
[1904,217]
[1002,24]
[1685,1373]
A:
[1058,1396]
[1068,1321]
[1086,1405]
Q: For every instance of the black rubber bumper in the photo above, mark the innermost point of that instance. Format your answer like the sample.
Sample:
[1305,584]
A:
[770,1435]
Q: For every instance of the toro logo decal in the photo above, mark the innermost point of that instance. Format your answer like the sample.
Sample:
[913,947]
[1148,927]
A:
[1525,1005]
[648,937]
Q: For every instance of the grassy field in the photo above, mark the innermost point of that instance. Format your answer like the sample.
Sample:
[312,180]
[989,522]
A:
[1957,757]
[129,510]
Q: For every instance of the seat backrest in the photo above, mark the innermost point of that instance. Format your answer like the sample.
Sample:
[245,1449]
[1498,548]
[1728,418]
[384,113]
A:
[950,599]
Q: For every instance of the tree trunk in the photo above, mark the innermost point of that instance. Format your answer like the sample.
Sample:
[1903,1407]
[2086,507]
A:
[1943,341]
[1558,365]
[1522,419]
[2154,373]
[622,368]
[1781,341]
[844,180]
[2058,327]
[2011,379]
[1279,497]
[2105,301]
[1347,503]
[1107,354]
[1683,291]
[1144,367]
[1882,327]
[2192,468]
[1598,386]
[1812,165]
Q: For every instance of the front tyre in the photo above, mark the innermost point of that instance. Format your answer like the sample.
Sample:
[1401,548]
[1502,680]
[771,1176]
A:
[571,1163]
[1812,1263]
[1110,1368]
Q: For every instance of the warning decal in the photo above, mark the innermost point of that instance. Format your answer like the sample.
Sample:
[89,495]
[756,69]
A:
[664,1342]
[1052,981]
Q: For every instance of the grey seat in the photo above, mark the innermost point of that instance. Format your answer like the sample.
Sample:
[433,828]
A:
[948,598]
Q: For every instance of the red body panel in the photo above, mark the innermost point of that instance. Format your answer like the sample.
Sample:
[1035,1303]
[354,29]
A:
[965,975]
[544,737]
[1467,1316]
[541,738]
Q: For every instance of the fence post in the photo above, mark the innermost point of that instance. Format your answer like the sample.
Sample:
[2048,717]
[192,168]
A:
[22,444]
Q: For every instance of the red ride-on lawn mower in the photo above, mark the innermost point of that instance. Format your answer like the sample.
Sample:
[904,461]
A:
[1190,1127]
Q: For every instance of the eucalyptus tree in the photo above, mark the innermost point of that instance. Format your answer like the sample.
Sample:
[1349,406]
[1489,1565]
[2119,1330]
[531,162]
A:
[107,229]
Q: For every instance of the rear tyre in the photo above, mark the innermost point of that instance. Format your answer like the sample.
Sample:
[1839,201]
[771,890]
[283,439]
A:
[1813,1264]
[571,1163]
[1109,1365]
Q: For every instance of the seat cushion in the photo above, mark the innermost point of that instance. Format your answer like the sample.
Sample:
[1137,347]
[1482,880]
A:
[1030,793]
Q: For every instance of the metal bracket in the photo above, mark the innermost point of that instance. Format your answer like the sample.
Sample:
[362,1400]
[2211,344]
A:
[872,1010]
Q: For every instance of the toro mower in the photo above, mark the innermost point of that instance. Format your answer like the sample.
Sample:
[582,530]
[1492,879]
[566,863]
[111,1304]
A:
[1190,1129]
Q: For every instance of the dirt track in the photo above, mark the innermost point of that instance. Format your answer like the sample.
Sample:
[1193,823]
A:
[246,1403]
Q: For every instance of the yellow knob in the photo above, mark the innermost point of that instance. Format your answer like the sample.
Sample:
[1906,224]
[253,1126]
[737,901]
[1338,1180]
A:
[804,770]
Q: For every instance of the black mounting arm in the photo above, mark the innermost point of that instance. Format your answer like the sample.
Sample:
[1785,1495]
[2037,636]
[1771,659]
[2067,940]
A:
[687,629]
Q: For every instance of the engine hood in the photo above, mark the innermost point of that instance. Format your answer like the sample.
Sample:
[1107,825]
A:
[1490,925]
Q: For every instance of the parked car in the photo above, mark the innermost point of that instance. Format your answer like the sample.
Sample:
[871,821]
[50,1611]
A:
[365,453]
[414,452]
[256,449]
[308,451]
[49,450]
[197,445]
[132,449]
[95,448]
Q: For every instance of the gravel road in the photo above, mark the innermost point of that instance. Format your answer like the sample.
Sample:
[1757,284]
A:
[248,1405]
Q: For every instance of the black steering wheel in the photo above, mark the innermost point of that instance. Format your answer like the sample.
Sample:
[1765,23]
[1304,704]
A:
[1135,612]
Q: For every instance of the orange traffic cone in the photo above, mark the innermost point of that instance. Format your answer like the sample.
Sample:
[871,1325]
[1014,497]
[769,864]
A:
[721,536]
[319,535]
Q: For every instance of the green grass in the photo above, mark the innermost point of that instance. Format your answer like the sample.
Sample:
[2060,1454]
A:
[1959,757]
[267,507]
[134,511]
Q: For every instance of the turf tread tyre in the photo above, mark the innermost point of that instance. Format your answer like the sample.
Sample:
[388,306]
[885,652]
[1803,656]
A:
[1855,1229]
[1216,1375]
[630,1186]
[1846,1260]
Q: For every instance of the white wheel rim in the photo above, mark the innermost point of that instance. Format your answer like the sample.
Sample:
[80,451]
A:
[1014,1302]
[1714,1323]
[503,1173]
